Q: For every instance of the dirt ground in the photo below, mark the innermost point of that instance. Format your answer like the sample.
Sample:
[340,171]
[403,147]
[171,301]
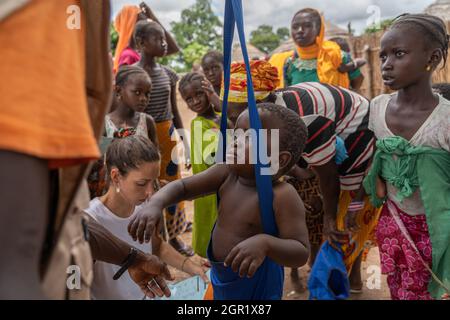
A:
[296,289]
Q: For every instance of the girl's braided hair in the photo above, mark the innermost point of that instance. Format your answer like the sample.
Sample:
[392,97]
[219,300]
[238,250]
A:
[189,78]
[125,72]
[433,28]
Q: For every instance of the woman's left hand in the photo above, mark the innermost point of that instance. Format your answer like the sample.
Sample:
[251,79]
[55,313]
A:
[195,269]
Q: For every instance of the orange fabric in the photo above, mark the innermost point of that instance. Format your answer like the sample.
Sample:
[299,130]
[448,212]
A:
[124,24]
[43,99]
[209,294]
[329,58]
[363,239]
[264,76]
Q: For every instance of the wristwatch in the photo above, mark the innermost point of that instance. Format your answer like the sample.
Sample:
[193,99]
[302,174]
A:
[128,262]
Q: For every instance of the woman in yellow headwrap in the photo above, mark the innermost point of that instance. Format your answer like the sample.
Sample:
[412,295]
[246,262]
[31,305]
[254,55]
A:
[314,59]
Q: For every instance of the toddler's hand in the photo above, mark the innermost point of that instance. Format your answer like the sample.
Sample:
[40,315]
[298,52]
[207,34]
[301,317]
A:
[360,62]
[143,224]
[247,256]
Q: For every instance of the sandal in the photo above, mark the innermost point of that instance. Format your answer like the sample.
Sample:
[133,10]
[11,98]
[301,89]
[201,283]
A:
[356,289]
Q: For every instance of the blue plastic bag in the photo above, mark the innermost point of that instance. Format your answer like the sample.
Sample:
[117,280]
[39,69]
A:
[341,151]
[328,279]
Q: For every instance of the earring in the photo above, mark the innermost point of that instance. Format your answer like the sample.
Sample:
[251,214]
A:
[428,68]
[117,189]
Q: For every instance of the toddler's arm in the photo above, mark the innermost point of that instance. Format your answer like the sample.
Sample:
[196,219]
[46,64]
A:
[204,183]
[352,66]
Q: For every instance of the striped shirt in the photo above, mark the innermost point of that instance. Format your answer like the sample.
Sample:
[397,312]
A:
[160,106]
[330,111]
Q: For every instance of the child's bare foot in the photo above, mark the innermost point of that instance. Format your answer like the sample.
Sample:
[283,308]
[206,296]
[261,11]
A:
[181,247]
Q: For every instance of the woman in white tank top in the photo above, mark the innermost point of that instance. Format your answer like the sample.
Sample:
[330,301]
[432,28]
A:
[132,165]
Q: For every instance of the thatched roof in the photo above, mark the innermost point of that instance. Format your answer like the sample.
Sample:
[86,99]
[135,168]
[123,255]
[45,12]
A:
[333,30]
[440,8]
[253,52]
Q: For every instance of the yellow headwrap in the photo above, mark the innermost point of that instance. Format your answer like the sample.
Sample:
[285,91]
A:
[328,55]
[264,76]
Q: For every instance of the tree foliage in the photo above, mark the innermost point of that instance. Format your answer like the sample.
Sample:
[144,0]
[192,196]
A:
[265,39]
[114,38]
[198,31]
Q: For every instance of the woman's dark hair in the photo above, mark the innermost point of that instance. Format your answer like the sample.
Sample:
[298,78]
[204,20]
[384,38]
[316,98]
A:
[189,78]
[316,15]
[125,72]
[214,55]
[433,28]
[128,153]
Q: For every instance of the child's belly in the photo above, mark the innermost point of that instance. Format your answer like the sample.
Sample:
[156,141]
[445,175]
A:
[224,240]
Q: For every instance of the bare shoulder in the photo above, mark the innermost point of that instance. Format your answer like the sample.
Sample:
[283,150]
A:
[285,195]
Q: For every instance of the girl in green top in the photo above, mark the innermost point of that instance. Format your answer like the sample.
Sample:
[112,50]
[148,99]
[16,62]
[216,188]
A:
[204,140]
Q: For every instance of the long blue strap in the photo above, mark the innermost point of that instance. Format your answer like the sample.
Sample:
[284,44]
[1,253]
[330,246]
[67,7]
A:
[234,16]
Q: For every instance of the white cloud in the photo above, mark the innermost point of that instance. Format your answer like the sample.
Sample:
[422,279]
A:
[279,12]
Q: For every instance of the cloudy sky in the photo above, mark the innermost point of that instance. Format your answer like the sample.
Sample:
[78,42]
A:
[278,13]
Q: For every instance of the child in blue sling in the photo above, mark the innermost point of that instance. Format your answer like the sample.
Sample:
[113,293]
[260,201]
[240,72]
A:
[247,263]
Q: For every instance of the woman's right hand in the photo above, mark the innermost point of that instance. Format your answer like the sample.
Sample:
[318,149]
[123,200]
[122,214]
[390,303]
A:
[144,222]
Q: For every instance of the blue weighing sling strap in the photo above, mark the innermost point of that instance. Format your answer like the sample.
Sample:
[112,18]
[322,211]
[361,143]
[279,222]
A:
[267,283]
